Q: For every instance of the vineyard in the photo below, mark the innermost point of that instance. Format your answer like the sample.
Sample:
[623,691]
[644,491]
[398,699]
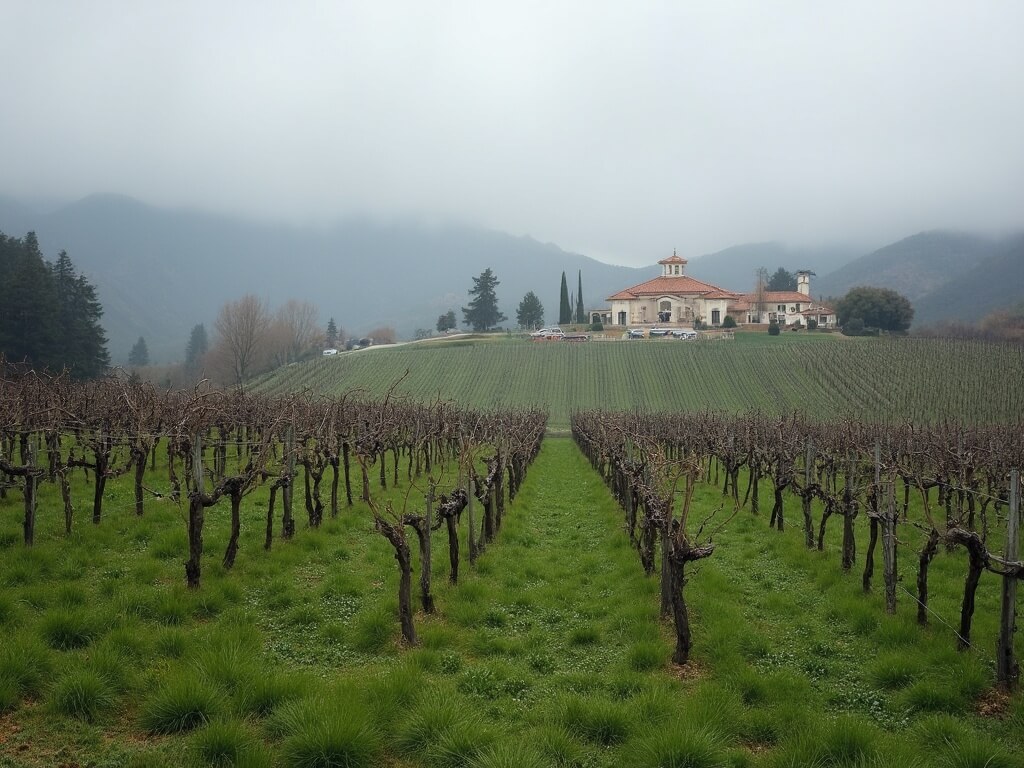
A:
[365,578]
[894,379]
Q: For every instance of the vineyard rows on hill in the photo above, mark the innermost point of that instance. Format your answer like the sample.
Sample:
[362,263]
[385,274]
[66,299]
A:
[891,379]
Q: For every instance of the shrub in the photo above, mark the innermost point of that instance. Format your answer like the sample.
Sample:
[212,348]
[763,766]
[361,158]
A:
[812,324]
[181,703]
[596,327]
[774,329]
[853,327]
[82,693]
[729,322]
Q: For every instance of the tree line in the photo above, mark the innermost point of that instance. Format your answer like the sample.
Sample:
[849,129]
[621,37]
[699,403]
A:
[49,314]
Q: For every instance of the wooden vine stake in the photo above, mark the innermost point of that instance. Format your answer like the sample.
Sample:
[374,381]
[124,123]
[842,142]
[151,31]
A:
[1007,669]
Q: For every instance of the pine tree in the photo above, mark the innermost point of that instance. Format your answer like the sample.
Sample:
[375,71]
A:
[581,313]
[197,346]
[564,306]
[139,356]
[332,334]
[49,316]
[531,312]
[482,312]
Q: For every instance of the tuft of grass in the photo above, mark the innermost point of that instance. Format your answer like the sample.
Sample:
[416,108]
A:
[10,695]
[25,663]
[173,607]
[647,655]
[394,693]
[593,719]
[435,715]
[229,744]
[585,635]
[82,693]
[65,629]
[326,731]
[506,754]
[183,702]
[677,747]
[172,643]
[373,631]
[261,695]
[894,670]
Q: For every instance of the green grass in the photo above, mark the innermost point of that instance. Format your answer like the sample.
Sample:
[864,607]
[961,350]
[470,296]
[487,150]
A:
[549,652]
[818,374]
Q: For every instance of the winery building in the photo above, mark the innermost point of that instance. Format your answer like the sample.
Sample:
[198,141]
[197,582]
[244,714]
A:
[677,298]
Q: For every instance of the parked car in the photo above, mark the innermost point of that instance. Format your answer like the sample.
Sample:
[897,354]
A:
[636,333]
[654,332]
[329,352]
[684,333]
[548,333]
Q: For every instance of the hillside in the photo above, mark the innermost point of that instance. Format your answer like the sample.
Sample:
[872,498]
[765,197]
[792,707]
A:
[159,272]
[994,283]
[823,376]
[736,268]
[914,266]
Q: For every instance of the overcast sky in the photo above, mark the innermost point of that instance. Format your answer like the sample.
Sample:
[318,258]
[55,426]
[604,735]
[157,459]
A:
[619,130]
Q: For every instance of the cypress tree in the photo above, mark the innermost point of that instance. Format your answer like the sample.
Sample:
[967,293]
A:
[564,306]
[581,313]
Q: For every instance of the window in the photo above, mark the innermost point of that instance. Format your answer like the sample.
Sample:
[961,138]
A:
[781,307]
[622,318]
[716,317]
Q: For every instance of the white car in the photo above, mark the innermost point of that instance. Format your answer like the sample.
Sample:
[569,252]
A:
[329,352]
[684,334]
[547,333]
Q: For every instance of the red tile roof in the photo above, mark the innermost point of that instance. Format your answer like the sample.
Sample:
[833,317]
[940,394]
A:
[676,285]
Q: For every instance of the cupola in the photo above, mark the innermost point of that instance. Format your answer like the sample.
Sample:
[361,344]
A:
[673,266]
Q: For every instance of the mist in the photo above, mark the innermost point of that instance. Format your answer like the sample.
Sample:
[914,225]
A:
[617,132]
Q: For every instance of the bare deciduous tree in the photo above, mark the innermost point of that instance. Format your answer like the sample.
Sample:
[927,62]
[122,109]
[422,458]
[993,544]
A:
[293,332]
[242,328]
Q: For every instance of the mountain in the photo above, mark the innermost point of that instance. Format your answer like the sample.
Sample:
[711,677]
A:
[159,272]
[914,267]
[735,268]
[996,282]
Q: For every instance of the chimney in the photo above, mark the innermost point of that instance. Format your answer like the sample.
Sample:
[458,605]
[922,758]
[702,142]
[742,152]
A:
[803,282]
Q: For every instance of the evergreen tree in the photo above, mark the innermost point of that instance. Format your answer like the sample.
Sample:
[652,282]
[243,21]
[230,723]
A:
[332,334]
[446,322]
[564,305]
[79,313]
[782,280]
[581,313]
[139,356]
[197,346]
[531,312]
[49,316]
[482,312]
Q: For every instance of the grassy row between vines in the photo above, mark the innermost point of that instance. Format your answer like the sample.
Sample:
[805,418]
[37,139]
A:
[548,653]
[828,378]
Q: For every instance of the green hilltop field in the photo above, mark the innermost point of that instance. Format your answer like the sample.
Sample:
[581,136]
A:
[825,376]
